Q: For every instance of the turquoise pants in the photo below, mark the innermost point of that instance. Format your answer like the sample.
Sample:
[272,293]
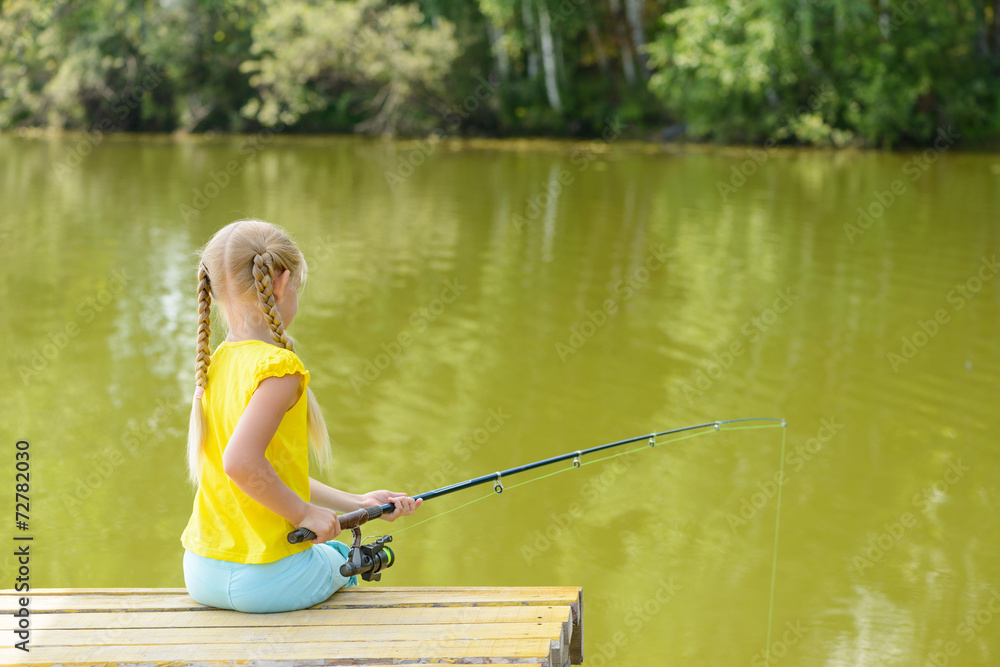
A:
[293,582]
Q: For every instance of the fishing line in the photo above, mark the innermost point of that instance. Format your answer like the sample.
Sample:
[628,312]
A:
[686,436]
[453,509]
[774,558]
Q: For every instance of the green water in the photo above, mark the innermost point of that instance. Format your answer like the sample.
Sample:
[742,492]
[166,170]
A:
[639,295]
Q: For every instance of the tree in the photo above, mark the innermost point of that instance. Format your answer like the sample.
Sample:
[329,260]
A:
[199,46]
[72,64]
[308,55]
[828,72]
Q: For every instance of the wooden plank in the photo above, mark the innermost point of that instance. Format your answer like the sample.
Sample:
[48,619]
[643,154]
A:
[341,599]
[47,600]
[340,624]
[326,653]
[515,662]
[295,634]
[576,639]
[210,617]
[409,614]
[570,590]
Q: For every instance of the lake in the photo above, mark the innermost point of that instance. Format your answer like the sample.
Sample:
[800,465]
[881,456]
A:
[476,305]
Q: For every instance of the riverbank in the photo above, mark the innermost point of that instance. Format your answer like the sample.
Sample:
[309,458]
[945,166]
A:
[623,142]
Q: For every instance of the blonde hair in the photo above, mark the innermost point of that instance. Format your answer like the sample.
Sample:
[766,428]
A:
[237,268]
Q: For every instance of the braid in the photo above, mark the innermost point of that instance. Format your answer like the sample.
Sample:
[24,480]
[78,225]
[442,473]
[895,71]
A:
[263,275]
[198,426]
[204,327]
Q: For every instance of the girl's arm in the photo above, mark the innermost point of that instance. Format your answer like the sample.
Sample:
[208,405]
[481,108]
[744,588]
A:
[244,462]
[327,496]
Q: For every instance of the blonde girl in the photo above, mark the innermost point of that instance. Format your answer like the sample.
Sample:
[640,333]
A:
[253,421]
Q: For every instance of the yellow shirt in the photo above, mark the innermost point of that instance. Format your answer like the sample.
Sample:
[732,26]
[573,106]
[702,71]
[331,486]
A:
[226,523]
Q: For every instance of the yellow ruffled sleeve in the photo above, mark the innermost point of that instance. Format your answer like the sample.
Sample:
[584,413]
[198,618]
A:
[277,363]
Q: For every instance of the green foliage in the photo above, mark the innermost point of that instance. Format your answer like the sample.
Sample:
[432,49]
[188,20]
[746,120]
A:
[199,46]
[715,63]
[309,53]
[123,64]
[845,71]
[65,64]
[818,72]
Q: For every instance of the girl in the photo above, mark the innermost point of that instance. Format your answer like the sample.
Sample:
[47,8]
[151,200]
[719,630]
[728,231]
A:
[252,417]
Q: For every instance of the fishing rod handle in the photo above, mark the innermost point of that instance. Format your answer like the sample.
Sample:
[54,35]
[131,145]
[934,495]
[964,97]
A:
[347,521]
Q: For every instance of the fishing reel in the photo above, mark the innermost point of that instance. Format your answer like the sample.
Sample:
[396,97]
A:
[370,559]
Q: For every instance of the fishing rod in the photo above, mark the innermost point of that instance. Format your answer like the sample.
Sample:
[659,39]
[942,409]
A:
[370,559]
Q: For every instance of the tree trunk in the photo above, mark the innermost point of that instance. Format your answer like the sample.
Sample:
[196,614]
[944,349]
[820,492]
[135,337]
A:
[529,38]
[982,33]
[561,70]
[602,56]
[499,50]
[548,56]
[884,21]
[628,64]
[633,12]
[996,27]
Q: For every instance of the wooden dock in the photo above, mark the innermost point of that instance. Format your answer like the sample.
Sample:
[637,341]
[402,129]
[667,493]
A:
[370,626]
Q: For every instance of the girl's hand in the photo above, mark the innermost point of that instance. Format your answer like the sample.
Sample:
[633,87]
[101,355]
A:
[404,504]
[322,521]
